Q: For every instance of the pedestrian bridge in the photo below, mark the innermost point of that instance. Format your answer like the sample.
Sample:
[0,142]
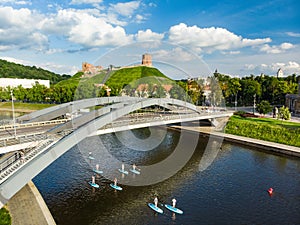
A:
[110,114]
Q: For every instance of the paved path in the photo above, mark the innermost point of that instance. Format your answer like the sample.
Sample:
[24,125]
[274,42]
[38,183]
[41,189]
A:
[27,207]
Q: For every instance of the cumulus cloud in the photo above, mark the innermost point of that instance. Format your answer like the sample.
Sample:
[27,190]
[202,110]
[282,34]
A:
[125,9]
[288,68]
[210,39]
[15,2]
[19,27]
[176,54]
[78,2]
[276,49]
[148,35]
[23,28]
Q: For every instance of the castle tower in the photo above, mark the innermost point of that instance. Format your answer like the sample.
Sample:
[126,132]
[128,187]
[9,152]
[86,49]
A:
[147,60]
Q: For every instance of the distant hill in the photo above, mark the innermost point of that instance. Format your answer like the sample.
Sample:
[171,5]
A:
[13,70]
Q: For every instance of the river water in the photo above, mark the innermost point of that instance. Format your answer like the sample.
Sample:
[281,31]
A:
[231,189]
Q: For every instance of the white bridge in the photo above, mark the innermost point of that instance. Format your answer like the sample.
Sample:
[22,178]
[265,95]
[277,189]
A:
[43,136]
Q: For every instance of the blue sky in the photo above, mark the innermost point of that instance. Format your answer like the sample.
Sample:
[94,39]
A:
[185,37]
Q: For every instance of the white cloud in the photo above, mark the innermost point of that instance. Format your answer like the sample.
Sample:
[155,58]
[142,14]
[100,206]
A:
[139,18]
[19,28]
[288,68]
[176,54]
[210,39]
[276,49]
[78,2]
[125,9]
[292,34]
[148,35]
[92,31]
[15,2]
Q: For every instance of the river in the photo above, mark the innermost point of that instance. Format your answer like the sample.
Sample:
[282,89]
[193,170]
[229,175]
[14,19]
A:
[230,189]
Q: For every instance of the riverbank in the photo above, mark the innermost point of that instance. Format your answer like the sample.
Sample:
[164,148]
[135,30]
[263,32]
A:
[266,129]
[27,207]
[23,107]
[265,145]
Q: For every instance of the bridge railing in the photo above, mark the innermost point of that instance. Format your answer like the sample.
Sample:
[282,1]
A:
[34,124]
[8,141]
[11,164]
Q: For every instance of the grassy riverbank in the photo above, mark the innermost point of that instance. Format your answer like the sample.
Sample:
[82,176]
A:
[23,107]
[266,129]
[5,218]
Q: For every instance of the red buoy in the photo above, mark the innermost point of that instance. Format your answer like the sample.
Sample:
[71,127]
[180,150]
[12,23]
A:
[270,191]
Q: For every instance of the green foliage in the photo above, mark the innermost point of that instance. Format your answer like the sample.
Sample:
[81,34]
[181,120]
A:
[264,107]
[265,129]
[13,70]
[284,113]
[5,218]
[135,76]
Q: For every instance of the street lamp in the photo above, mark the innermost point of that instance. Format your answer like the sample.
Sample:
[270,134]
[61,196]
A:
[254,101]
[13,110]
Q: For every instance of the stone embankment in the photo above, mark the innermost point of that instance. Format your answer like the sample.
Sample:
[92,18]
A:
[264,145]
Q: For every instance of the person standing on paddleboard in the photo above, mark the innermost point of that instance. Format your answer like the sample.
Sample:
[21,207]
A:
[174,203]
[93,180]
[115,181]
[155,201]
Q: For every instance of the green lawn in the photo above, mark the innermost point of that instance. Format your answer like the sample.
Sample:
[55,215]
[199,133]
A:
[267,129]
[5,218]
[24,107]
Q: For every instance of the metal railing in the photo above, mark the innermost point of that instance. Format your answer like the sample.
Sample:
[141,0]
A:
[13,163]
[35,124]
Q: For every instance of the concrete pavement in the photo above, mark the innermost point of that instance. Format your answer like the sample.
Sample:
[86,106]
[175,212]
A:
[27,207]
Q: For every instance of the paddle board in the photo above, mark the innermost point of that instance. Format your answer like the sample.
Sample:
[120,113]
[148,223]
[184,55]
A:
[155,208]
[123,171]
[91,158]
[116,187]
[169,207]
[98,171]
[135,171]
[93,185]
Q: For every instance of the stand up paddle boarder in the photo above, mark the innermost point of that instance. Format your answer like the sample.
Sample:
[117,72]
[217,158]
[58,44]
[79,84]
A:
[174,203]
[155,201]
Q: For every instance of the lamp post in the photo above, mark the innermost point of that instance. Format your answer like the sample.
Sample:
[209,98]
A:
[13,111]
[254,101]
[235,102]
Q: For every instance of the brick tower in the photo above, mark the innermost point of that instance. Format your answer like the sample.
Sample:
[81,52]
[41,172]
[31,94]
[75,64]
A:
[147,60]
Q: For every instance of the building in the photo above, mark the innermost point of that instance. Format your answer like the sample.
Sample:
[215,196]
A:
[147,60]
[292,101]
[89,69]
[25,83]
[279,73]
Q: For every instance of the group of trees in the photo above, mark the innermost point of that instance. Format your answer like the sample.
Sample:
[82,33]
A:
[13,70]
[263,90]
[250,89]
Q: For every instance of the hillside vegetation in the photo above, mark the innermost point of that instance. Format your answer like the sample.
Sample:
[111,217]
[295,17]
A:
[135,76]
[13,70]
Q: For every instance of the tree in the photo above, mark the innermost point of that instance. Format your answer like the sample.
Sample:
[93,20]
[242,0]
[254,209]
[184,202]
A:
[284,113]
[264,107]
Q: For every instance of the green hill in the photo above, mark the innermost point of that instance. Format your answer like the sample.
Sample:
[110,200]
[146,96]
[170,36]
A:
[13,70]
[136,75]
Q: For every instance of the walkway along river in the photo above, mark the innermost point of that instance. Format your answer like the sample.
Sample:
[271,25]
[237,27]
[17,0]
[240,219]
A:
[231,190]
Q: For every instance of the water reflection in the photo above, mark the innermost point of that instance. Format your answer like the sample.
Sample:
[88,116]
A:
[232,190]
